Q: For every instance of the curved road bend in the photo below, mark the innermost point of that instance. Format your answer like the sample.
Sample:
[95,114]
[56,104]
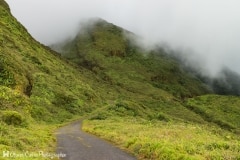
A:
[78,145]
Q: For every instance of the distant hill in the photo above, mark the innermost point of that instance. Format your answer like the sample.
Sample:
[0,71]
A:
[225,83]
[110,51]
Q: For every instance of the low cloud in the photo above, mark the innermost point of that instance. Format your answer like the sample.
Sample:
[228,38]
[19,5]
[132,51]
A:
[207,32]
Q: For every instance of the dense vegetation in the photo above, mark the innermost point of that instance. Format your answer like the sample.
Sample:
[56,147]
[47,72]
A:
[106,50]
[226,83]
[38,89]
[142,100]
[167,140]
[159,99]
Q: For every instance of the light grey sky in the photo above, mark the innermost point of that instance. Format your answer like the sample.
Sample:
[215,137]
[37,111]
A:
[210,29]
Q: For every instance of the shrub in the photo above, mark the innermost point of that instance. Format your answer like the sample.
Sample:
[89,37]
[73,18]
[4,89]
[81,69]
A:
[6,77]
[100,116]
[162,117]
[12,118]
[35,60]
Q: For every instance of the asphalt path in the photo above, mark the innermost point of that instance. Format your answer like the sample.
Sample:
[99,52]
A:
[79,145]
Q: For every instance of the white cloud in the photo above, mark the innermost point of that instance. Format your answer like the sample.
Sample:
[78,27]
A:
[211,28]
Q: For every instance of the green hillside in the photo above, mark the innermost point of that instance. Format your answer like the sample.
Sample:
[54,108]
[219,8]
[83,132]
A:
[155,91]
[221,110]
[106,50]
[143,101]
[38,89]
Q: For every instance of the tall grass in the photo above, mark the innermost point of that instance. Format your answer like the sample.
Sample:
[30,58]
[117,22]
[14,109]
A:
[167,140]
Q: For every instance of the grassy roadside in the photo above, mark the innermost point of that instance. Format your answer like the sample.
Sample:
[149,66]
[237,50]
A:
[31,140]
[166,140]
[39,91]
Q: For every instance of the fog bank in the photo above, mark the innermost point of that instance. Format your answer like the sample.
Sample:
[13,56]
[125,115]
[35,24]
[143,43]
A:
[207,32]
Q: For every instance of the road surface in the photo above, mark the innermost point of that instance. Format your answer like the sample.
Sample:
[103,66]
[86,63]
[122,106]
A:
[78,145]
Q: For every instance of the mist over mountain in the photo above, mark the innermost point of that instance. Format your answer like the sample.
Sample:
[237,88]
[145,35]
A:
[226,83]
[97,34]
[208,30]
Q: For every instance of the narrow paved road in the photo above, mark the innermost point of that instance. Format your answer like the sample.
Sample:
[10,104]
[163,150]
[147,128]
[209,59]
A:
[78,145]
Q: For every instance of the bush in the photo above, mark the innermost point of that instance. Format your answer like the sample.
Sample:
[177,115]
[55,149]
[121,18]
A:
[12,118]
[162,117]
[6,77]
[100,116]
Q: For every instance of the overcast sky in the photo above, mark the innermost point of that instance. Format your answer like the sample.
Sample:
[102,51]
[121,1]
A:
[208,29]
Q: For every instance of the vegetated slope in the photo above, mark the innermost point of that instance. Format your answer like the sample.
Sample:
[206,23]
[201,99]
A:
[150,83]
[146,82]
[226,83]
[109,51]
[50,83]
[149,116]
[38,89]
[222,110]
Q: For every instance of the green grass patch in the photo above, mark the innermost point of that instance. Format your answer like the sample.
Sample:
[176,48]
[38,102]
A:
[221,110]
[33,139]
[166,140]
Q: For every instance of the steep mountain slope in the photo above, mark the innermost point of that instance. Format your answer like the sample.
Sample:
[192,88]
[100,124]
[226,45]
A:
[115,84]
[38,73]
[109,51]
[38,89]
[226,83]
[222,110]
[153,86]
[38,86]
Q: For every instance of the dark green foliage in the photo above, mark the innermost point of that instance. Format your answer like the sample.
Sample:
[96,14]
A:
[163,117]
[6,77]
[227,83]
[40,114]
[68,102]
[127,108]
[166,73]
[4,4]
[12,118]
[28,89]
[35,60]
[100,116]
[211,118]
[223,111]
[55,90]
[104,49]
[156,76]
[214,146]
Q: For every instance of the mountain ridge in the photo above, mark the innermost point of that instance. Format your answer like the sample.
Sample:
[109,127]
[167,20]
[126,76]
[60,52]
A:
[224,83]
[113,42]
